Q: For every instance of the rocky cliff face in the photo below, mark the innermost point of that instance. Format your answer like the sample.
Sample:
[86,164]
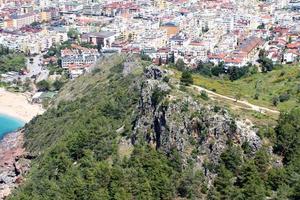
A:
[198,132]
[14,163]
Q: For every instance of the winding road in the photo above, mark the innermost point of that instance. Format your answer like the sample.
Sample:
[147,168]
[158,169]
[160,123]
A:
[243,102]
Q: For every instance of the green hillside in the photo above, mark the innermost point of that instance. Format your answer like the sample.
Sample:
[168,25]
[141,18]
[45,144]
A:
[125,132]
[281,85]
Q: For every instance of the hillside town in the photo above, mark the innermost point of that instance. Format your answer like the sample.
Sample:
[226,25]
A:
[75,34]
[149,99]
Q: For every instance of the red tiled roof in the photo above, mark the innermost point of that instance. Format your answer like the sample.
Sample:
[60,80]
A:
[163,50]
[216,56]
[233,60]
[294,45]
[250,44]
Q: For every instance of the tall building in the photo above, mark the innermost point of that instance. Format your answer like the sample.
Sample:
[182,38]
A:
[23,20]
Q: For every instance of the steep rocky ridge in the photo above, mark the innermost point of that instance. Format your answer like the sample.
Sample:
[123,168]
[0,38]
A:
[115,112]
[169,122]
[14,162]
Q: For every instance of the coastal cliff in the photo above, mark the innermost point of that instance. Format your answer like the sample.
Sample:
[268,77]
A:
[14,162]
[128,131]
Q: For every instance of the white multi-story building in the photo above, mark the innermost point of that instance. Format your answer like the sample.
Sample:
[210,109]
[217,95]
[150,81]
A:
[78,57]
[22,20]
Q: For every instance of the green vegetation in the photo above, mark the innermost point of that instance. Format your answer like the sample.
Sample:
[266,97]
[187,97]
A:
[180,65]
[145,57]
[55,50]
[233,73]
[43,85]
[157,96]
[54,68]
[265,63]
[73,34]
[78,147]
[204,95]
[255,178]
[278,89]
[55,85]
[12,62]
[186,78]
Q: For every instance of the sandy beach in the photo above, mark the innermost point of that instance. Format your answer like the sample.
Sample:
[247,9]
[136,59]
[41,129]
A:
[17,106]
[13,161]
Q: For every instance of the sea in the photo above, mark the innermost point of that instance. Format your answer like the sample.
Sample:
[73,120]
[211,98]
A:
[9,124]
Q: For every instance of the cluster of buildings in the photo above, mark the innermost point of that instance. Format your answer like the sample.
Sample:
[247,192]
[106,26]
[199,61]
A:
[77,59]
[33,42]
[228,31]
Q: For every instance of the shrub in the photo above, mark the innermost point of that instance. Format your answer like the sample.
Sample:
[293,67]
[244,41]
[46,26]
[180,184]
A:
[298,89]
[186,78]
[43,85]
[166,79]
[204,95]
[284,97]
[216,108]
[58,84]
[246,147]
[96,70]
[145,57]
[266,64]
[275,101]
[282,73]
[180,65]
[157,96]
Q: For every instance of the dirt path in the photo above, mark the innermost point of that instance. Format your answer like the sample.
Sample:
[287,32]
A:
[246,103]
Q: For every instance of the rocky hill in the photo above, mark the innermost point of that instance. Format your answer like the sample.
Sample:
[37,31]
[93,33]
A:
[126,131]
[182,123]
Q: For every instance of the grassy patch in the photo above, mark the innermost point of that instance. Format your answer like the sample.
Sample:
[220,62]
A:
[259,88]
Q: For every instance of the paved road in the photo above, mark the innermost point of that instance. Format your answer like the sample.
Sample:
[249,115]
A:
[246,103]
[36,68]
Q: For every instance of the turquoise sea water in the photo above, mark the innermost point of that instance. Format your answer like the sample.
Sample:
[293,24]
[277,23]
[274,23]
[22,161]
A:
[9,124]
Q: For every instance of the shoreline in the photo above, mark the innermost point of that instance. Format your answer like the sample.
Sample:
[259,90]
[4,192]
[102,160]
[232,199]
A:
[14,160]
[14,117]
[17,105]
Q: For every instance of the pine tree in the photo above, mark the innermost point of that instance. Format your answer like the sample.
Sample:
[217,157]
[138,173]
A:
[186,78]
[250,182]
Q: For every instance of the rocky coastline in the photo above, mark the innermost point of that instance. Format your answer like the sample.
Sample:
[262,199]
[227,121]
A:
[14,162]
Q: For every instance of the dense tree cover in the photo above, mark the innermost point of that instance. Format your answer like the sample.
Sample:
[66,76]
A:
[45,85]
[288,135]
[233,73]
[57,84]
[79,155]
[145,57]
[254,177]
[12,62]
[80,159]
[55,68]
